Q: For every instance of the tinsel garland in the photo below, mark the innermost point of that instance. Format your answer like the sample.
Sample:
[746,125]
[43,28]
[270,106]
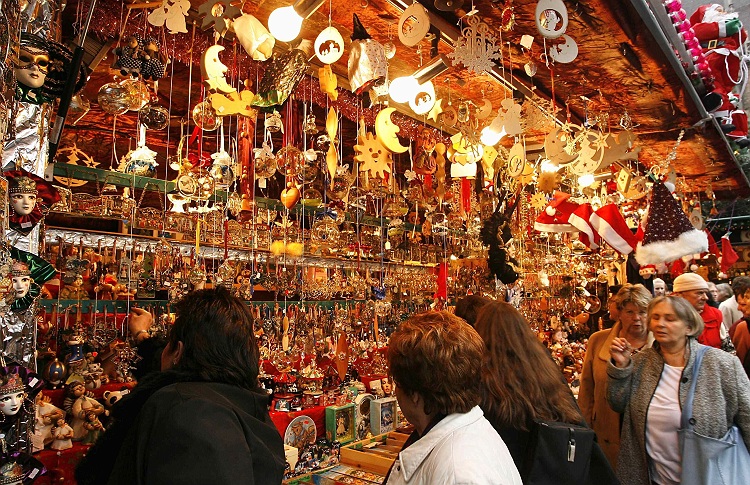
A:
[189,47]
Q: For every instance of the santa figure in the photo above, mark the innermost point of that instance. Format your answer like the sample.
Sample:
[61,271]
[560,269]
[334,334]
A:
[722,37]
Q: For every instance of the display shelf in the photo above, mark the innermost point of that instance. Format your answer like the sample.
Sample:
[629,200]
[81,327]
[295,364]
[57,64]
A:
[120,306]
[92,238]
[120,179]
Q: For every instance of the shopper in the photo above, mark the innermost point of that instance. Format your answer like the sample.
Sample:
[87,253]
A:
[650,388]
[520,381]
[740,332]
[201,420]
[631,301]
[713,294]
[693,288]
[433,359]
[725,292]
[660,287]
[729,311]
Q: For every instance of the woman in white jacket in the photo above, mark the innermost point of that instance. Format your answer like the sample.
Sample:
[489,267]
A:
[434,360]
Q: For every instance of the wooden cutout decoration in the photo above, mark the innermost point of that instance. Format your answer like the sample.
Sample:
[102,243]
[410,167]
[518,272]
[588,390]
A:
[638,189]
[516,160]
[234,103]
[329,45]
[488,161]
[485,111]
[450,116]
[551,18]
[477,48]
[440,150]
[332,157]
[624,177]
[213,70]
[386,130]
[619,147]
[413,25]
[555,144]
[423,101]
[328,82]
[372,156]
[171,14]
[590,152]
[566,52]
[74,156]
[527,174]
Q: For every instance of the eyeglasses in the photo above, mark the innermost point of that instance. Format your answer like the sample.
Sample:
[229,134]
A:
[26,60]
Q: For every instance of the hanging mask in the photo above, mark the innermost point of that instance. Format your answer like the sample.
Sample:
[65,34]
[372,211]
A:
[28,196]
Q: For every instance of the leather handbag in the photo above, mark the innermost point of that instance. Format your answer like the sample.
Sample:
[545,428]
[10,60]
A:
[562,453]
[723,461]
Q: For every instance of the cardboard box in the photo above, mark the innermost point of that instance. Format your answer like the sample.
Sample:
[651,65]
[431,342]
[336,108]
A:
[340,424]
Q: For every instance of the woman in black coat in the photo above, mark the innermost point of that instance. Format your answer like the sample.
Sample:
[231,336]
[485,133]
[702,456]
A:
[202,420]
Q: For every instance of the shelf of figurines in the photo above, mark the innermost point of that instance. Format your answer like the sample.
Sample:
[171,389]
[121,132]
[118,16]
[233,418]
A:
[93,205]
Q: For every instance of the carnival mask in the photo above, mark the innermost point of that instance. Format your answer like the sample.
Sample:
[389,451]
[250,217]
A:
[23,204]
[12,394]
[21,285]
[32,67]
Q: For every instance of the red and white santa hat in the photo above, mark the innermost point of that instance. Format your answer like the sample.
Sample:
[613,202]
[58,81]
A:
[611,226]
[669,234]
[581,220]
[555,216]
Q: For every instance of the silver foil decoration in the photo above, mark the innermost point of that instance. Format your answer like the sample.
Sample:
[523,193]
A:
[18,332]
[30,147]
[42,17]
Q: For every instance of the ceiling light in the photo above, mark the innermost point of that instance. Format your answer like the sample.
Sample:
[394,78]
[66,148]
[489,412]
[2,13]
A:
[490,137]
[285,23]
[403,88]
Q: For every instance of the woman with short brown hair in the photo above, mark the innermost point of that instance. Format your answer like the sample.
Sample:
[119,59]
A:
[434,359]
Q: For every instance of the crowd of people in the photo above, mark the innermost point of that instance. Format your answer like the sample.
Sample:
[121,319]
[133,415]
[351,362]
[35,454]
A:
[475,384]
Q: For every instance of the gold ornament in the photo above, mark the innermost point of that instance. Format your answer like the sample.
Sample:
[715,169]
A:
[372,156]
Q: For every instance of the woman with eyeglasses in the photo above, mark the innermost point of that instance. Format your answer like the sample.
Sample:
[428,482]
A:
[631,302]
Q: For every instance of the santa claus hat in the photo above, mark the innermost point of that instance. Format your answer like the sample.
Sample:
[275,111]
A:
[555,216]
[611,226]
[669,234]
[581,220]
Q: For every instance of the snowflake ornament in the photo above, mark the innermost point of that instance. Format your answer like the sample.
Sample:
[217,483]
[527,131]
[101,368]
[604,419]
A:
[373,156]
[477,48]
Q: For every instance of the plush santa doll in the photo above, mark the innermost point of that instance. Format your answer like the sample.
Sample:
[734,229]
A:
[721,36]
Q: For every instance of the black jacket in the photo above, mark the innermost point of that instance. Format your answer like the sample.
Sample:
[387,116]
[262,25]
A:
[173,430]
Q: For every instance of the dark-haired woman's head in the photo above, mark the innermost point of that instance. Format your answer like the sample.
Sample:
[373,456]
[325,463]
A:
[468,307]
[213,339]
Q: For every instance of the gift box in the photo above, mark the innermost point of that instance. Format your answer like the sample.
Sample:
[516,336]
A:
[383,415]
[340,423]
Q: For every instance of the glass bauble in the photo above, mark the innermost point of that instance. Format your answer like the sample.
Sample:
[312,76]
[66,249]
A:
[153,116]
[289,160]
[139,93]
[114,98]
[204,115]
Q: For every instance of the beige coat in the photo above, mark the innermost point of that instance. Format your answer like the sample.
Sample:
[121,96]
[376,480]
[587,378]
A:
[592,396]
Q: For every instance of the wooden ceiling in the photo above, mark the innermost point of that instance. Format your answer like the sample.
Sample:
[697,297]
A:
[620,71]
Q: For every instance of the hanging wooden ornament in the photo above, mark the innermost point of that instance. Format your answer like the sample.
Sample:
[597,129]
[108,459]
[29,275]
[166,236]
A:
[332,157]
[372,156]
[329,45]
[424,99]
[413,25]
[436,110]
[213,70]
[328,82]
[485,110]
[516,160]
[566,52]
[171,14]
[74,156]
[289,196]
[386,130]
[488,163]
[476,49]
[551,18]
[555,147]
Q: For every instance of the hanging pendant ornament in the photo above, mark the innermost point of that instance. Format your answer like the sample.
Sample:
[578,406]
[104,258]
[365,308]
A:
[171,14]
[221,170]
[328,82]
[566,52]
[516,160]
[289,196]
[213,71]
[332,156]
[386,131]
[254,37]
[153,116]
[413,25]
[551,18]
[423,101]
[218,14]
[372,156]
[477,48]
[508,17]
[390,47]
[329,45]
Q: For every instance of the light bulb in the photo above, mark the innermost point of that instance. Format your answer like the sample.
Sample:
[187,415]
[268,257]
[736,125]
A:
[548,166]
[585,180]
[403,88]
[285,23]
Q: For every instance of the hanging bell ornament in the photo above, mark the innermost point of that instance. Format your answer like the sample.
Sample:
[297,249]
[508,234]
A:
[273,122]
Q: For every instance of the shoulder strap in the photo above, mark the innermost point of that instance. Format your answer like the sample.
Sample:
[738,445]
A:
[687,409]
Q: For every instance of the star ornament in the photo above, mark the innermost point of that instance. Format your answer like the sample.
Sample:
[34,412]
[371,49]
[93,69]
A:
[436,110]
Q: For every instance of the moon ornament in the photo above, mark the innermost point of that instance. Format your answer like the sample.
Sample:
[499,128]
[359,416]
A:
[213,71]
[386,131]
[566,52]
